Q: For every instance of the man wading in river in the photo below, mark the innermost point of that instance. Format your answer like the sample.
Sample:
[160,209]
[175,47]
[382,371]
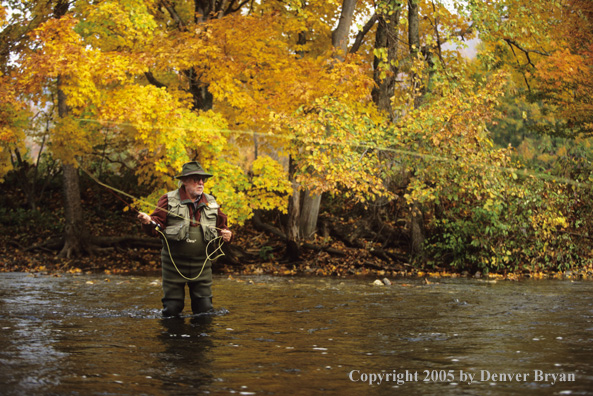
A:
[189,220]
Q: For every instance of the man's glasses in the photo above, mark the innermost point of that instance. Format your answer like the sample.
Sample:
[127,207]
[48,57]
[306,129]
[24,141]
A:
[196,178]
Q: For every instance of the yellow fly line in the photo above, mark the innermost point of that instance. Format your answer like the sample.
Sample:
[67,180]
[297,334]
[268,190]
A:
[510,170]
[208,255]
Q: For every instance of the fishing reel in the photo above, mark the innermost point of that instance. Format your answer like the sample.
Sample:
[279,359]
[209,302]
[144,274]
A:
[156,225]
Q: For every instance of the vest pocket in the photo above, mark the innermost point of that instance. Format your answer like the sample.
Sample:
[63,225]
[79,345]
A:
[208,222]
[210,214]
[176,232]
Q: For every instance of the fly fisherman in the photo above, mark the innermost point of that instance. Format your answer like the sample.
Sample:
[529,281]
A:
[189,220]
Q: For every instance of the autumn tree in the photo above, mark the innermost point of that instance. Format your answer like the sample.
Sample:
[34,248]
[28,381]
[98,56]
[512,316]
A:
[286,101]
[304,211]
[86,73]
[545,47]
[164,84]
[565,77]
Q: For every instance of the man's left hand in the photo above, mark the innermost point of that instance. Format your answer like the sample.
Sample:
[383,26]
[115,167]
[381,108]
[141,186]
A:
[226,235]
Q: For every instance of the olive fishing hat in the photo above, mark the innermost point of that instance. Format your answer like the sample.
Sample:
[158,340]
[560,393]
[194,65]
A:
[193,168]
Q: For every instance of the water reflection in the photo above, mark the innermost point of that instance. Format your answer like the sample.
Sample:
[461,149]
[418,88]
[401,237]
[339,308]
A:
[274,336]
[186,354]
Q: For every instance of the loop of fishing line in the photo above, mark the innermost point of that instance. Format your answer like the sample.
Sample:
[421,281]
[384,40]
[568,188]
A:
[208,255]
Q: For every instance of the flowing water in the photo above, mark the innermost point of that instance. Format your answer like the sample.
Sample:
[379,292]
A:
[103,335]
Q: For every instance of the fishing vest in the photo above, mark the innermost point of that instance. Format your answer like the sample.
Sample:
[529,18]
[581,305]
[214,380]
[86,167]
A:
[178,219]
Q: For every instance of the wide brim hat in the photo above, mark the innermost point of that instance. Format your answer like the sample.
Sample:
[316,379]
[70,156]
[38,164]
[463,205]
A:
[192,168]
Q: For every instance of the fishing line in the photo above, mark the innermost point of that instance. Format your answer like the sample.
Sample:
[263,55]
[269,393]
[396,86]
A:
[122,193]
[368,146]
[157,228]
[208,255]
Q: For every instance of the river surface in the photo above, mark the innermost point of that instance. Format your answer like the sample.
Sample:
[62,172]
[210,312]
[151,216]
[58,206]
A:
[103,335]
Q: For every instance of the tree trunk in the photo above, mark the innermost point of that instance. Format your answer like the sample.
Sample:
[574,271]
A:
[413,27]
[306,217]
[292,223]
[76,235]
[417,217]
[414,44]
[386,37]
[309,214]
[340,35]
[204,10]
[416,231]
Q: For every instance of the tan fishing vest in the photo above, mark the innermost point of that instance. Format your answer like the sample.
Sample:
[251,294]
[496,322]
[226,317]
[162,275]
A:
[178,220]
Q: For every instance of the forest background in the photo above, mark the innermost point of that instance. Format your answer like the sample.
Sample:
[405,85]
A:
[346,137]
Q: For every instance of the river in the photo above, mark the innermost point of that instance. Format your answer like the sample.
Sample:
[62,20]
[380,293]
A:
[103,335]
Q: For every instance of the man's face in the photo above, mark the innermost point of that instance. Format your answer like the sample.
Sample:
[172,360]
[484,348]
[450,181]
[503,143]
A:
[194,185]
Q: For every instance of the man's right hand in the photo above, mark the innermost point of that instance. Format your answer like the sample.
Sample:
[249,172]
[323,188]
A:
[144,218]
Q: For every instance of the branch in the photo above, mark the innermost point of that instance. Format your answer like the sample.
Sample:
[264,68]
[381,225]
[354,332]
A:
[526,51]
[362,33]
[221,5]
[173,13]
[230,9]
[151,79]
[459,33]
[260,225]
[529,62]
[329,250]
[436,30]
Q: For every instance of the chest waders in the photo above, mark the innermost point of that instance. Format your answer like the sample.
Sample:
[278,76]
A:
[184,256]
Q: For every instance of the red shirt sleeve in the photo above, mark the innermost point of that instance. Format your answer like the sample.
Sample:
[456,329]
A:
[221,223]
[159,216]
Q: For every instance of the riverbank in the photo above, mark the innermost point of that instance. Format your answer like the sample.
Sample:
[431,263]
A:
[30,242]
[356,263]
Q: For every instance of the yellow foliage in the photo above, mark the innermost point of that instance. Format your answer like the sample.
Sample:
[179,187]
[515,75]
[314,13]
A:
[3,15]
[229,185]
[334,148]
[12,116]
[453,144]
[548,222]
[106,21]
[69,140]
[270,185]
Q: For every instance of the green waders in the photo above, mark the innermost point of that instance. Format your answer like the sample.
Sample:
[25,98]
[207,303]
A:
[189,256]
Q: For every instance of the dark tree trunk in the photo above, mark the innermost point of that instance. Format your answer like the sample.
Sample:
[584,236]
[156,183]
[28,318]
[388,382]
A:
[292,223]
[417,217]
[416,231]
[204,10]
[76,235]
[414,44]
[386,37]
[202,98]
